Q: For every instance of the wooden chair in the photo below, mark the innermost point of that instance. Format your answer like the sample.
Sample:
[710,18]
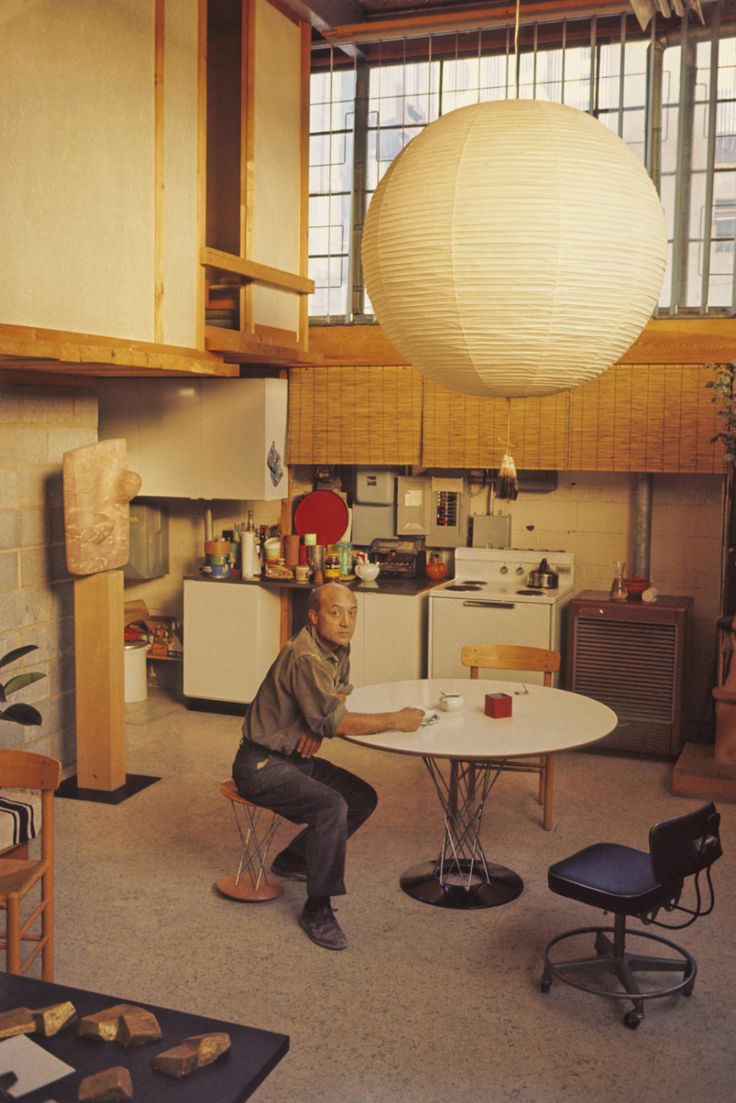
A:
[26,770]
[509,657]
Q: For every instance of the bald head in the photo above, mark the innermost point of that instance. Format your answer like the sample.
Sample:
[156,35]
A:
[332,611]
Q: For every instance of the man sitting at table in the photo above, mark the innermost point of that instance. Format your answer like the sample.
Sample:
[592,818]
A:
[301,702]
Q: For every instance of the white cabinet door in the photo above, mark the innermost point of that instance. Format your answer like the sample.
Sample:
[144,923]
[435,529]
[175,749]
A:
[389,641]
[231,637]
[206,438]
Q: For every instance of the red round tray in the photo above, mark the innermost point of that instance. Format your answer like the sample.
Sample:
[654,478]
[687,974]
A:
[323,512]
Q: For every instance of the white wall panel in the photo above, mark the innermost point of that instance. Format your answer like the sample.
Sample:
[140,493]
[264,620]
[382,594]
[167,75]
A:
[76,144]
[276,199]
[180,246]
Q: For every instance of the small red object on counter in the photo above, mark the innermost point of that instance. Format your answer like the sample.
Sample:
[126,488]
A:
[498,705]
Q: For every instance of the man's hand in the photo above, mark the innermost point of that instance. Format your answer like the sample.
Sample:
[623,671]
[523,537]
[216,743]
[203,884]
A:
[408,720]
[308,745]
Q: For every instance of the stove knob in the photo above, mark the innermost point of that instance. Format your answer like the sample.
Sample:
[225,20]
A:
[520,570]
[504,569]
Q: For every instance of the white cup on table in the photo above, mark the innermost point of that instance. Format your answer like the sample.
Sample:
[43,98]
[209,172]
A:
[451,702]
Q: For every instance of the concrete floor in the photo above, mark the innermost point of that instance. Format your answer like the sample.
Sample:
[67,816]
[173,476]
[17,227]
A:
[426,1005]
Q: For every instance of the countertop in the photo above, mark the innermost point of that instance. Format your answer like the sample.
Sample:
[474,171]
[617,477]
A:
[398,587]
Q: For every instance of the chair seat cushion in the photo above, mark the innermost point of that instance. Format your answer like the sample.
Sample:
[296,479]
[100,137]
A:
[615,878]
[20,816]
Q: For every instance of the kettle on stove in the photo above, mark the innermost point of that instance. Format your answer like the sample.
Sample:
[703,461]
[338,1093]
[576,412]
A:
[544,577]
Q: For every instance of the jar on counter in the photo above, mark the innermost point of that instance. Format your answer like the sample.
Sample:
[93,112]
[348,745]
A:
[332,568]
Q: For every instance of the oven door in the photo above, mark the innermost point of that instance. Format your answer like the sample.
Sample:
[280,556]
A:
[456,622]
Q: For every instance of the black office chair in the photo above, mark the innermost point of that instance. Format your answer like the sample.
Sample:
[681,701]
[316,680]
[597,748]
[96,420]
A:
[630,882]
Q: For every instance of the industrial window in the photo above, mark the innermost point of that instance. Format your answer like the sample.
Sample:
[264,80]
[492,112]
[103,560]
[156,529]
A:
[669,94]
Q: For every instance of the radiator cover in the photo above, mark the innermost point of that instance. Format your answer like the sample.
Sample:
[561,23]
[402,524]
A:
[631,656]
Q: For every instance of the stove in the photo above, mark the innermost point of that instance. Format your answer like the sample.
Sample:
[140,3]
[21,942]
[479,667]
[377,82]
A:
[494,573]
[490,601]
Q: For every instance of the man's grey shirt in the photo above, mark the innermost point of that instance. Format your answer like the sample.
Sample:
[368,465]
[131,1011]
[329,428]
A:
[299,695]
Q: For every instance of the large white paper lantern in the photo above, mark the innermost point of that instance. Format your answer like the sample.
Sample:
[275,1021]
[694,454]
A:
[514,248]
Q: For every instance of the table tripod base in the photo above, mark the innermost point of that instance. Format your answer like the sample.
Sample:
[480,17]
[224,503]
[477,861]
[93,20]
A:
[459,891]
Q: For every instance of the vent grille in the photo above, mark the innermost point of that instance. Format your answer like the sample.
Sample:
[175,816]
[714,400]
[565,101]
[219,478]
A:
[629,666]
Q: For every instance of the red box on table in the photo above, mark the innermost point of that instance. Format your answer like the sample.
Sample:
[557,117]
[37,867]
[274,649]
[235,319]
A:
[498,705]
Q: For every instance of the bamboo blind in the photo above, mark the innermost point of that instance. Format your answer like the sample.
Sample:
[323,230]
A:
[355,415]
[634,417]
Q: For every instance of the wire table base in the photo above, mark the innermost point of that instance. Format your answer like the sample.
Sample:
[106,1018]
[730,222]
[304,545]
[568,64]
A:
[462,877]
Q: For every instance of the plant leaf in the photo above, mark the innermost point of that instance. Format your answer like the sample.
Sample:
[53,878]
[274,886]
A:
[22,714]
[22,680]
[18,653]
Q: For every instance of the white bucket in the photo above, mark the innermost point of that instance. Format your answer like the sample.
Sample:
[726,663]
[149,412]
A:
[136,682]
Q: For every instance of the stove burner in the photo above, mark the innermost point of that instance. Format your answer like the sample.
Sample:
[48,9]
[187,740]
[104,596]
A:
[462,586]
[528,593]
[472,581]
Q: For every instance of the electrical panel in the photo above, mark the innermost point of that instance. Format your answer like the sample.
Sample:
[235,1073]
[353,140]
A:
[435,508]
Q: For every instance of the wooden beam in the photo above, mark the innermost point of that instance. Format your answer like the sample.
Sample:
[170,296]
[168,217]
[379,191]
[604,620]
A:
[257,273]
[684,341]
[159,110]
[241,347]
[89,351]
[417,23]
[663,341]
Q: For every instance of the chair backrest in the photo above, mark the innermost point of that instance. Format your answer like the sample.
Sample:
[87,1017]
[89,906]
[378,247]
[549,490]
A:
[492,656]
[28,770]
[684,845]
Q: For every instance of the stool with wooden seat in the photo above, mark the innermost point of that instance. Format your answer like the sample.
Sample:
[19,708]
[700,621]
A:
[511,657]
[256,828]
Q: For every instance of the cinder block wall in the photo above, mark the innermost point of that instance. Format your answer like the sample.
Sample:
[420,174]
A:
[37,425]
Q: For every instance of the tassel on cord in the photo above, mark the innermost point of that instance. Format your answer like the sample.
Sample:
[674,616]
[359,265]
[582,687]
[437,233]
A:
[507,483]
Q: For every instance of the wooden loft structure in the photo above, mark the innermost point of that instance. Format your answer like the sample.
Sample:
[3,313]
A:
[212,189]
[197,177]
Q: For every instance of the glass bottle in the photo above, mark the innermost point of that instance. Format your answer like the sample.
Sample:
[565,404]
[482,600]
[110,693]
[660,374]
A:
[618,591]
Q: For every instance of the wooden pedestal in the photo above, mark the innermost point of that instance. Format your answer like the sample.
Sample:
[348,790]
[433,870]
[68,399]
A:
[98,640]
[698,774]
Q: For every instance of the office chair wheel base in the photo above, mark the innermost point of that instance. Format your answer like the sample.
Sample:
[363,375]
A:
[633,1018]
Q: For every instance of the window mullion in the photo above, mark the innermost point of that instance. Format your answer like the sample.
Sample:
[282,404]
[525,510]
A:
[711,160]
[360,162]
[683,178]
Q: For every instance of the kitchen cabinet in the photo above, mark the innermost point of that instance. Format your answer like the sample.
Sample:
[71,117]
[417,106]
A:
[209,438]
[231,637]
[389,644]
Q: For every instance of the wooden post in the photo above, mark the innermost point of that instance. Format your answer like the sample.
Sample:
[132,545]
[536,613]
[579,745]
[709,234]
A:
[98,636]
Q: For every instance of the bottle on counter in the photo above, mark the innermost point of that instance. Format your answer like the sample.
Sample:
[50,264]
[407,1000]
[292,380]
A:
[249,550]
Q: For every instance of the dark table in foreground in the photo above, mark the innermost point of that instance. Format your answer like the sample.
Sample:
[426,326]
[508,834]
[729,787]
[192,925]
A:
[231,1079]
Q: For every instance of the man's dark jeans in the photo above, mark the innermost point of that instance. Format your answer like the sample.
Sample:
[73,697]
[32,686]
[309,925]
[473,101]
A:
[332,802]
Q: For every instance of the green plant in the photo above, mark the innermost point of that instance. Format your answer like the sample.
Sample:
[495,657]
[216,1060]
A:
[18,713]
[723,387]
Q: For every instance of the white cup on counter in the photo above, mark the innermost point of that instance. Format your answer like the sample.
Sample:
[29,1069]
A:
[451,702]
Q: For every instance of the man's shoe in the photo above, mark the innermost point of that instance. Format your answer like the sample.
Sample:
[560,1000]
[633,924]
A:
[287,871]
[323,928]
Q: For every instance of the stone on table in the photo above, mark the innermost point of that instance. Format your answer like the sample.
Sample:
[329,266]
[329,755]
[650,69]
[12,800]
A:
[192,1053]
[19,1020]
[109,1086]
[50,1020]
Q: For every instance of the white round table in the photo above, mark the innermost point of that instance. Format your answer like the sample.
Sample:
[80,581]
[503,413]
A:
[462,751]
